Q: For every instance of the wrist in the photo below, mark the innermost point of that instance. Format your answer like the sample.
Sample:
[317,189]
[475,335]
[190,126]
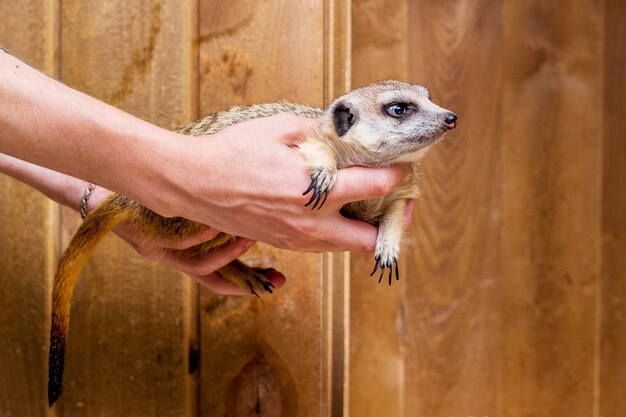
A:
[164,176]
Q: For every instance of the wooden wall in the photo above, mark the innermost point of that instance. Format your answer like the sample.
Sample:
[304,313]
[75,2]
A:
[512,298]
[29,225]
[144,340]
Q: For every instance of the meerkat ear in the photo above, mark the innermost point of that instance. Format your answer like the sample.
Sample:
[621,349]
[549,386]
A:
[344,116]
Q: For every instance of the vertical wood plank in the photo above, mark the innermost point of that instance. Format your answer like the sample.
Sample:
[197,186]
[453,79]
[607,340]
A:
[612,389]
[132,321]
[451,321]
[551,207]
[506,246]
[379,41]
[271,356]
[244,57]
[336,323]
[377,351]
[28,234]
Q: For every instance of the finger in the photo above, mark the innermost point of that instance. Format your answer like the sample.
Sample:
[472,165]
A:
[207,264]
[216,283]
[277,278]
[154,246]
[350,234]
[361,183]
[197,238]
[360,236]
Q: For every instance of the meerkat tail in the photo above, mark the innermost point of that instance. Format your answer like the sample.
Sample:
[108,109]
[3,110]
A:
[101,221]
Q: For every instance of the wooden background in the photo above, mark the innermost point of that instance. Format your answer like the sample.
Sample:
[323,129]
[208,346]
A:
[513,298]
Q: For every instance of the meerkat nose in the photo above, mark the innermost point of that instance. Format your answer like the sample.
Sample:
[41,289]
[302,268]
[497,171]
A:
[450,120]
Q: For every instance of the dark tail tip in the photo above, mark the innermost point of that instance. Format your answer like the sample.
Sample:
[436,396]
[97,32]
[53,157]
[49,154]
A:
[56,360]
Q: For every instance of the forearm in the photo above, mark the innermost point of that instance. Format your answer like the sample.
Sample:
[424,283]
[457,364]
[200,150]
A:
[246,180]
[49,124]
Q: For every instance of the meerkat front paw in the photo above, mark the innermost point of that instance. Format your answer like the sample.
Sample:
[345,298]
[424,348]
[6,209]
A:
[322,180]
[386,256]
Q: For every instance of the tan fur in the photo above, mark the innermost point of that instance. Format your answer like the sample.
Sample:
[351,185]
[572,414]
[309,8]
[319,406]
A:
[325,153]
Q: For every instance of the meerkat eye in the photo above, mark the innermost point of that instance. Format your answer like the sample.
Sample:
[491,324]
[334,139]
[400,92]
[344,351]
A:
[397,109]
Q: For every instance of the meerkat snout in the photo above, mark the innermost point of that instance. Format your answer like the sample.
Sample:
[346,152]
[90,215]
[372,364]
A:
[450,120]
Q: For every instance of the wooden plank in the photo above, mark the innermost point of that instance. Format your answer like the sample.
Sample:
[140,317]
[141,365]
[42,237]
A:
[551,206]
[612,388]
[450,321]
[271,356]
[132,321]
[502,318]
[380,37]
[377,352]
[28,234]
[336,266]
[241,60]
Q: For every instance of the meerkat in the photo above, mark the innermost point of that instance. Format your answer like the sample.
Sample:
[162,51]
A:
[374,126]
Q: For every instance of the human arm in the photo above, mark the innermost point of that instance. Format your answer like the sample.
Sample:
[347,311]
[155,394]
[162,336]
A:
[68,191]
[246,180]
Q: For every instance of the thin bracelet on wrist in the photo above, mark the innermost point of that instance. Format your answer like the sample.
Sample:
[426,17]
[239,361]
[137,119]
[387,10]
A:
[84,200]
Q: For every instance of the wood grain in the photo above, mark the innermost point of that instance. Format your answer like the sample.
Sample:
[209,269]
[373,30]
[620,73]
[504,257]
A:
[612,362]
[132,321]
[28,236]
[451,322]
[511,301]
[551,207]
[271,356]
[502,302]
[377,350]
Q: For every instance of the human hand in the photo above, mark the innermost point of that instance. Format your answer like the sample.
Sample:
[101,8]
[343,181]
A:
[248,179]
[203,269]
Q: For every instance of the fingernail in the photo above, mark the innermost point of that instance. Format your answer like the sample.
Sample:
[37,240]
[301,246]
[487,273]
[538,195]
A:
[248,243]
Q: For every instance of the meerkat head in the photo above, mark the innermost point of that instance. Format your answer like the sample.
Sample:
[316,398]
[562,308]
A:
[390,120]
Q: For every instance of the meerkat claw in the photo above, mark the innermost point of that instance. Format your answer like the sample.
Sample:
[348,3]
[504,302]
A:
[376,266]
[319,197]
[312,198]
[312,185]
[395,262]
[322,182]
[268,286]
[389,264]
[382,272]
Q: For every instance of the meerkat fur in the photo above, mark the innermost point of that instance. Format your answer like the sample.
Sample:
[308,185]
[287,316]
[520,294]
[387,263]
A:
[375,126]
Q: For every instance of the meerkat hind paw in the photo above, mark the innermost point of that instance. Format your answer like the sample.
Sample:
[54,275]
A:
[322,180]
[258,283]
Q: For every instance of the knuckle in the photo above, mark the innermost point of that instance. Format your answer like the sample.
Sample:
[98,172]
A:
[368,247]
[382,184]
[294,125]
[309,228]
[201,269]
